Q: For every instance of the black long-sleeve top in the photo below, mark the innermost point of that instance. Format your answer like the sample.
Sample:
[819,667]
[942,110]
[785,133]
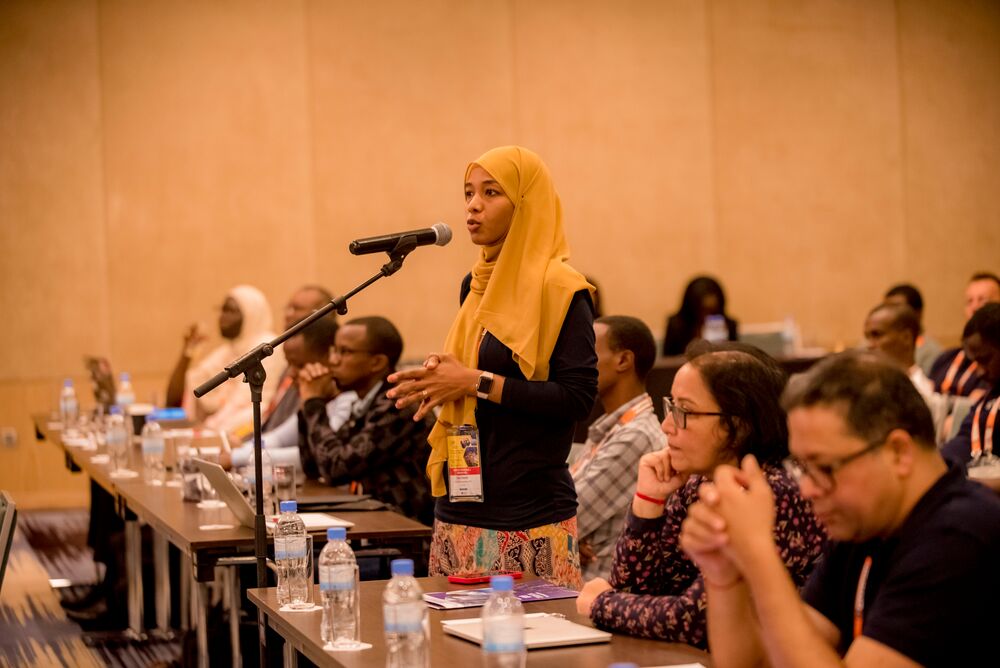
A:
[526,438]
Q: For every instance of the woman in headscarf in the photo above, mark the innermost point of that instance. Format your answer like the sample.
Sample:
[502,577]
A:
[244,322]
[519,364]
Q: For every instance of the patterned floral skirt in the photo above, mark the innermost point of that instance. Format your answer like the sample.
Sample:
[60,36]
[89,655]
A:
[550,551]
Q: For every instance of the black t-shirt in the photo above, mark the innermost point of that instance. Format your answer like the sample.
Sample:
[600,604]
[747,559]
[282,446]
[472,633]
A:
[933,593]
[939,371]
[959,448]
[526,438]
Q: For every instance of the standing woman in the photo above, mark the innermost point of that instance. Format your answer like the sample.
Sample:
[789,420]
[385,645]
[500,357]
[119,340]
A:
[518,363]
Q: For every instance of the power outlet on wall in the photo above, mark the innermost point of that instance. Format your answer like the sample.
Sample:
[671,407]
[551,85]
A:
[8,435]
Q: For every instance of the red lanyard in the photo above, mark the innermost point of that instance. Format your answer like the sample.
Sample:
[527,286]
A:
[859,596]
[981,444]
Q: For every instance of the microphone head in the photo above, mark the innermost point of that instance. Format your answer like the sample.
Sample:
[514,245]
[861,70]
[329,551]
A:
[443,234]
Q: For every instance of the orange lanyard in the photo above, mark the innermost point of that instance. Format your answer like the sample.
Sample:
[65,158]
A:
[949,377]
[859,596]
[644,406]
[981,444]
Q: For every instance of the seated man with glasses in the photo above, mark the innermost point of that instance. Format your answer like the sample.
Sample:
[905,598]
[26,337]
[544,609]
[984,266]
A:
[725,405]
[379,446]
[910,577]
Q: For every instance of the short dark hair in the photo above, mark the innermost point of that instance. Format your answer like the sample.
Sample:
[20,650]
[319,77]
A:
[872,394]
[910,294]
[628,333]
[903,317]
[320,334]
[382,337]
[985,276]
[747,383]
[324,294]
[986,323]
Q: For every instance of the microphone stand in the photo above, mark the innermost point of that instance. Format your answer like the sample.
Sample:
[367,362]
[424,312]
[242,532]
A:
[251,367]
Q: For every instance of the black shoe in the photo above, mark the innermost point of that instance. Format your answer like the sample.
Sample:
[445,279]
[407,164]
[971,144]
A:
[86,597]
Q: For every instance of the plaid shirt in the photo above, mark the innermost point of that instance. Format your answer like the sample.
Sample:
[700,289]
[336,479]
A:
[380,446]
[605,477]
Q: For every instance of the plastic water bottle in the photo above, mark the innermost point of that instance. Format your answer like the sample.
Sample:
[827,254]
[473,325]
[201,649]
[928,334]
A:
[117,438]
[152,452]
[338,585]
[125,396]
[503,626]
[789,337]
[405,614]
[267,469]
[290,556]
[69,409]
[715,329]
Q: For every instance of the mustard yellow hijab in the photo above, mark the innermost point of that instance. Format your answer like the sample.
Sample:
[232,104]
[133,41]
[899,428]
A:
[521,287]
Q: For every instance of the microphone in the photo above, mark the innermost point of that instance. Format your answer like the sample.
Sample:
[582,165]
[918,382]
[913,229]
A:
[439,234]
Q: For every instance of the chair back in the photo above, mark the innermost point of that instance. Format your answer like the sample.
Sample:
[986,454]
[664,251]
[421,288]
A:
[8,521]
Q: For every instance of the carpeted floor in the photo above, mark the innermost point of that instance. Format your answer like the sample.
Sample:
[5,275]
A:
[34,630]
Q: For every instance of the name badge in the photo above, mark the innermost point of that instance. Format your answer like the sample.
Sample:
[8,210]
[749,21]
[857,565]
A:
[465,473]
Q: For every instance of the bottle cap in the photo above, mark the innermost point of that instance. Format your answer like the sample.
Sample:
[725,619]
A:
[401,567]
[288,506]
[502,583]
[125,378]
[115,410]
[68,382]
[336,533]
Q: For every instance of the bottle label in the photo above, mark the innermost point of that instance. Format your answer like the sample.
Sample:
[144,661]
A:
[290,548]
[404,617]
[503,635]
[338,577]
[152,446]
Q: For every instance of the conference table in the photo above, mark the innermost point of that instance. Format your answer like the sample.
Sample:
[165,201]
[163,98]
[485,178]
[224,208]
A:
[301,633]
[182,524]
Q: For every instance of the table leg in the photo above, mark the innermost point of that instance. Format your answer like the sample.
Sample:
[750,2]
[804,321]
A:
[185,594]
[235,606]
[201,591]
[161,568]
[133,572]
[291,657]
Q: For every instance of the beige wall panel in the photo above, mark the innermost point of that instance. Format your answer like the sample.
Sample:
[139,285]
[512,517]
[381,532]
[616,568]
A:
[33,471]
[404,95]
[615,97]
[53,274]
[807,146]
[950,61]
[207,159]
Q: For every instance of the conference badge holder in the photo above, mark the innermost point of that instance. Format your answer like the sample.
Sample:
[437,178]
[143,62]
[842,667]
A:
[465,473]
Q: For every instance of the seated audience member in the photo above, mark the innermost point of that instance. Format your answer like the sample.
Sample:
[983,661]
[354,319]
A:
[953,372]
[703,297]
[910,577]
[725,405]
[928,348]
[380,446]
[303,302]
[977,437]
[604,474]
[244,322]
[311,346]
[892,330]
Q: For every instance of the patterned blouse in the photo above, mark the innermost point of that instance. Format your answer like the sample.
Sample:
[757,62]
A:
[659,593]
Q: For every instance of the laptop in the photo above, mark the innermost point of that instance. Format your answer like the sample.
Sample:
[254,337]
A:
[238,504]
[541,629]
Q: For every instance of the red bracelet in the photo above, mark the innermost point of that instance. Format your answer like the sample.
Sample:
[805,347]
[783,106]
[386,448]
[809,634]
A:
[659,502]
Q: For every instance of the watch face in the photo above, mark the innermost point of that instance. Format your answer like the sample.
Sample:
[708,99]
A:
[485,384]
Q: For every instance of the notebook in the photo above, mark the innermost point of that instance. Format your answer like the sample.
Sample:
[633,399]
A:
[526,592]
[541,629]
[223,484]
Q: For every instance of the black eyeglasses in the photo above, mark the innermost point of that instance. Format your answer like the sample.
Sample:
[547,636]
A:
[341,351]
[822,475]
[679,414]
